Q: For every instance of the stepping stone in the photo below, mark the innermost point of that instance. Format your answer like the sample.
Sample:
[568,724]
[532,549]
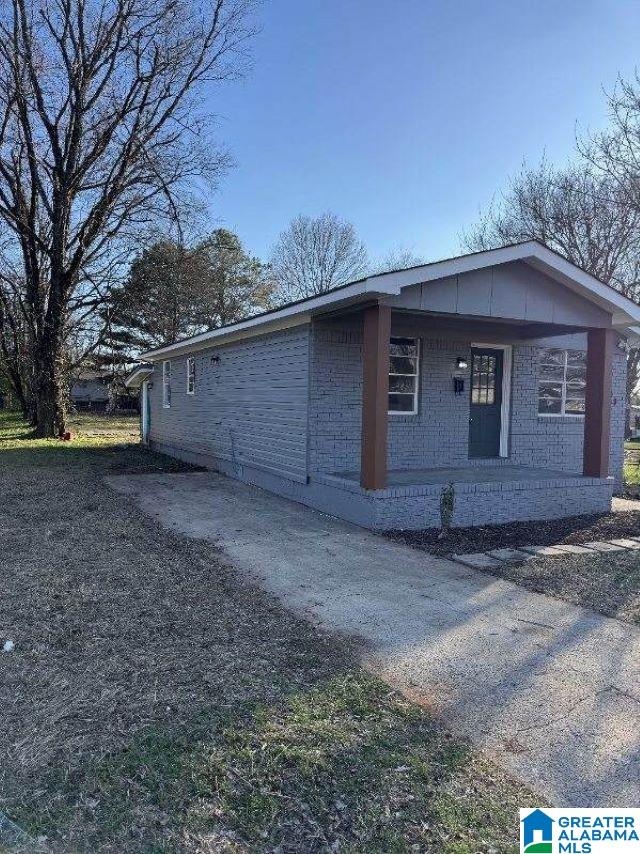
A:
[569,549]
[543,551]
[603,546]
[626,544]
[478,560]
[509,555]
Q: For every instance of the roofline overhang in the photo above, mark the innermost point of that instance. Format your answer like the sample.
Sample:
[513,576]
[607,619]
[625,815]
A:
[137,376]
[624,312]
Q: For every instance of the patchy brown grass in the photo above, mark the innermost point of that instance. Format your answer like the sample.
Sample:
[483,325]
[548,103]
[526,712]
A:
[608,582]
[155,703]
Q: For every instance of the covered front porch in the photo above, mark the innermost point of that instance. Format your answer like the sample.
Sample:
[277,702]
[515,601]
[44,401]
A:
[477,394]
[505,382]
[482,495]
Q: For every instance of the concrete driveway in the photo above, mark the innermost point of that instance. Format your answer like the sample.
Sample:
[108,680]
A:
[549,690]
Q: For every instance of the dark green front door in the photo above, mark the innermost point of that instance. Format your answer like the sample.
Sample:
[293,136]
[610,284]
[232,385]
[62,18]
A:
[486,402]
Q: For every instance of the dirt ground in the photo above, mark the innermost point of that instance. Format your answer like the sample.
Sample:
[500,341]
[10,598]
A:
[154,703]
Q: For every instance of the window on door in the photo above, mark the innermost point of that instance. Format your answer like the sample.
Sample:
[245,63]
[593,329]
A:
[483,379]
[404,367]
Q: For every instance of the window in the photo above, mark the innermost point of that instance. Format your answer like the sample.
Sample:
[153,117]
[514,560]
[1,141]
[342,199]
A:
[403,376]
[191,375]
[483,379]
[166,384]
[562,382]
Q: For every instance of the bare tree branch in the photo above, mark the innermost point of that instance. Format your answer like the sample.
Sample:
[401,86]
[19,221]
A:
[316,254]
[95,96]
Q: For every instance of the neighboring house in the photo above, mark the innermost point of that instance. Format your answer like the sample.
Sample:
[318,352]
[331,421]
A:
[90,391]
[500,372]
[634,422]
[98,391]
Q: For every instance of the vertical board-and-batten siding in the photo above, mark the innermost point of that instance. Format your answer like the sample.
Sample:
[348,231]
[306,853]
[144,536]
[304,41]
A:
[513,291]
[249,407]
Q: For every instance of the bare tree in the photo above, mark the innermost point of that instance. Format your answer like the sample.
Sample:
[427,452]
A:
[316,254]
[399,258]
[615,152]
[584,214]
[100,136]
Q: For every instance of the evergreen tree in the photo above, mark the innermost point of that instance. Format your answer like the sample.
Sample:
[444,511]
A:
[173,291]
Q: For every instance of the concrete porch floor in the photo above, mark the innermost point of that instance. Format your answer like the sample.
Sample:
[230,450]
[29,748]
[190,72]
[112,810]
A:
[480,473]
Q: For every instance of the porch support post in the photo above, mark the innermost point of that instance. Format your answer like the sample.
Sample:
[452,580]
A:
[375,396]
[597,419]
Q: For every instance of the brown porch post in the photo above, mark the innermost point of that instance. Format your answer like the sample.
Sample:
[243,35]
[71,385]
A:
[375,395]
[597,419]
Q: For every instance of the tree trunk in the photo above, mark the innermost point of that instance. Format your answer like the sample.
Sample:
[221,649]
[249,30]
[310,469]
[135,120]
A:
[48,392]
[23,404]
[17,388]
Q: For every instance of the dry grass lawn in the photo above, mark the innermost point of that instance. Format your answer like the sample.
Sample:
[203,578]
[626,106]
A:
[154,703]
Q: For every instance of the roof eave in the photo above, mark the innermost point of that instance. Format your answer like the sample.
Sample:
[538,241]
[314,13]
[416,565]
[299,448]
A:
[625,312]
[294,315]
[136,377]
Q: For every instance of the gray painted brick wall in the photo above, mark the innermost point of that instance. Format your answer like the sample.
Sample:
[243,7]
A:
[249,407]
[259,416]
[335,396]
[438,434]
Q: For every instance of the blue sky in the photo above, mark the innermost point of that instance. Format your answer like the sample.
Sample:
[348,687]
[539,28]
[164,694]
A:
[405,117]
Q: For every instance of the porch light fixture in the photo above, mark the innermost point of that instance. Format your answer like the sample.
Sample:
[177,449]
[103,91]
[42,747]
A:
[462,363]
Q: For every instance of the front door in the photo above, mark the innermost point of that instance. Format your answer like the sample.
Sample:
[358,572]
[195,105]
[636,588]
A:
[486,402]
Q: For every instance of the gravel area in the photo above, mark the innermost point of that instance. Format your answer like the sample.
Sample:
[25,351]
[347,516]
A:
[608,583]
[155,703]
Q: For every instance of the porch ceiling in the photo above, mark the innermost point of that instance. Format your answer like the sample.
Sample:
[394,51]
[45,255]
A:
[490,328]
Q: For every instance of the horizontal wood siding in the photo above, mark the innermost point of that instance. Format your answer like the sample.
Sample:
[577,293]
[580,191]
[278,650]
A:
[249,407]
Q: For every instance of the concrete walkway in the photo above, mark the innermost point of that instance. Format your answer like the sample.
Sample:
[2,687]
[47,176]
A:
[625,505]
[549,690]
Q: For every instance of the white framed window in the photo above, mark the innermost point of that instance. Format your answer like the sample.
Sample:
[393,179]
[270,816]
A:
[166,384]
[562,382]
[191,375]
[404,368]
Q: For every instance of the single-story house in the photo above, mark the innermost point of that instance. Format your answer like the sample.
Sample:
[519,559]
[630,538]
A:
[496,379]
[97,390]
[90,390]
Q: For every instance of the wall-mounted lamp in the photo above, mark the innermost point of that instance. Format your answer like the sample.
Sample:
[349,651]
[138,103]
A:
[215,359]
[462,363]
